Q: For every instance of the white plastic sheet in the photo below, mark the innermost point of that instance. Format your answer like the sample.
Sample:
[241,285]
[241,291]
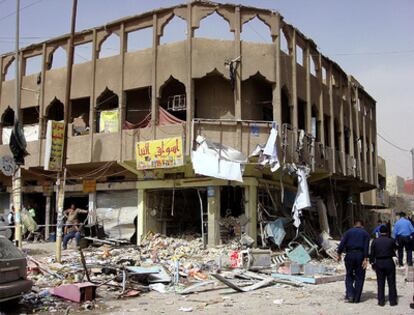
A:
[302,199]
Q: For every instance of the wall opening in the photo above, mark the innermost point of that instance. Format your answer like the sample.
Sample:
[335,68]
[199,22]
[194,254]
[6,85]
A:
[82,53]
[337,134]
[30,121]
[175,212]
[299,55]
[323,75]
[312,66]
[316,124]
[7,121]
[175,30]
[347,133]
[301,114]
[256,31]
[79,115]
[107,105]
[286,113]
[327,128]
[284,45]
[257,94]
[10,71]
[57,59]
[214,26]
[138,105]
[55,111]
[139,39]
[110,46]
[173,98]
[214,97]
[33,65]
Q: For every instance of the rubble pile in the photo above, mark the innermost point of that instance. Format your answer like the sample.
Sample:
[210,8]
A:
[163,264]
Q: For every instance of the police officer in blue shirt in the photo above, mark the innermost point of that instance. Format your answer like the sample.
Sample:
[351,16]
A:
[403,233]
[355,243]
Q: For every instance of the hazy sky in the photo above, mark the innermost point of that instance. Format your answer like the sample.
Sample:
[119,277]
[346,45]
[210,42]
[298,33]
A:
[370,39]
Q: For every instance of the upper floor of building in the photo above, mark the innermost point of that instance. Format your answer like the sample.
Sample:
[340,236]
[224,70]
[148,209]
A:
[157,85]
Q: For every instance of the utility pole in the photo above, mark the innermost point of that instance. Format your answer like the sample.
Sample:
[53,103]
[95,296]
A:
[61,181]
[17,179]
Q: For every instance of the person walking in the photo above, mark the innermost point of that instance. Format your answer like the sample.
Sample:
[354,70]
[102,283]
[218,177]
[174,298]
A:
[355,243]
[403,233]
[382,251]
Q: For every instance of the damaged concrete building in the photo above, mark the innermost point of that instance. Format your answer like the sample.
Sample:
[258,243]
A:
[229,93]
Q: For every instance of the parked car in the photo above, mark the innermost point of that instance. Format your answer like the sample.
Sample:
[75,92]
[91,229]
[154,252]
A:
[13,271]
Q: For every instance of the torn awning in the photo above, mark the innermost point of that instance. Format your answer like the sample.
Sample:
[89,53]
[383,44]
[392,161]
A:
[164,118]
[217,160]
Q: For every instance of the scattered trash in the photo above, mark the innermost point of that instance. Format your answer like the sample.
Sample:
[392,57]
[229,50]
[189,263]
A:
[278,301]
[185,309]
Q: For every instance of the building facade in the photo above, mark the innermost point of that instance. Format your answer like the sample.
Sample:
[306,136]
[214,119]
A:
[228,91]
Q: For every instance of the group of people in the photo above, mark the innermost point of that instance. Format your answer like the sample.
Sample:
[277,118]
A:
[72,224]
[359,253]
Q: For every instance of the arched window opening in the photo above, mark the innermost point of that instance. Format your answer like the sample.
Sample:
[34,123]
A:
[107,112]
[214,26]
[79,115]
[323,75]
[257,94]
[55,111]
[82,53]
[139,39]
[284,44]
[30,120]
[7,121]
[256,31]
[301,114]
[58,59]
[10,71]
[327,129]
[175,30]
[110,46]
[286,113]
[138,106]
[316,124]
[173,98]
[214,97]
[33,65]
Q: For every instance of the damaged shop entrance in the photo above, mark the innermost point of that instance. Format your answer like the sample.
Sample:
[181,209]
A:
[185,211]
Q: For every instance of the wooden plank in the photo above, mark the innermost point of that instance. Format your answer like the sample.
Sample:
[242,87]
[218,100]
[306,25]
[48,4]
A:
[311,280]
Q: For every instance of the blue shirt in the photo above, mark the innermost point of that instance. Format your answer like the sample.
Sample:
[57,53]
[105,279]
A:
[377,230]
[402,227]
[355,239]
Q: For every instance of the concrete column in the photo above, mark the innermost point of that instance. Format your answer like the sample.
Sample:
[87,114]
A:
[364,144]
[277,103]
[331,113]
[142,216]
[154,88]
[342,127]
[351,123]
[294,85]
[251,211]
[92,208]
[92,116]
[308,126]
[213,207]
[320,104]
[190,83]
[371,162]
[47,218]
[237,53]
[358,134]
[121,105]
[374,139]
[41,102]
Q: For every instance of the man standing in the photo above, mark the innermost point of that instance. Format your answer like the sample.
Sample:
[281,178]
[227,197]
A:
[10,222]
[382,252]
[73,225]
[355,243]
[403,233]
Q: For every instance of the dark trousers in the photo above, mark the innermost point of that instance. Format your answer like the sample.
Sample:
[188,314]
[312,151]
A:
[355,275]
[69,236]
[407,243]
[385,269]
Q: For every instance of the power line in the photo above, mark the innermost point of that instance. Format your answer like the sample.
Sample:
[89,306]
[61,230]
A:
[21,9]
[390,143]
